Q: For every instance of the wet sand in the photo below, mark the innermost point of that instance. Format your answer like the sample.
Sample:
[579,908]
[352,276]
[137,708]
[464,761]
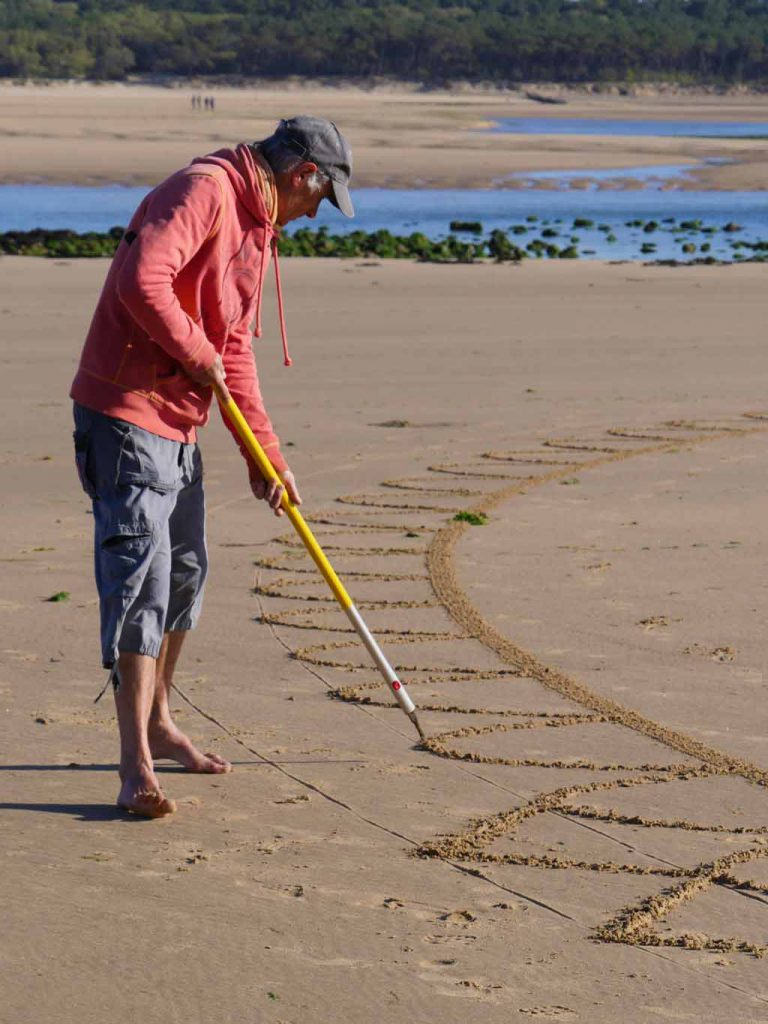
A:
[402,137]
[584,838]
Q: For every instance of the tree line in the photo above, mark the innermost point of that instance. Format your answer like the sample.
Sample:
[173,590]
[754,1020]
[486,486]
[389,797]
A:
[720,41]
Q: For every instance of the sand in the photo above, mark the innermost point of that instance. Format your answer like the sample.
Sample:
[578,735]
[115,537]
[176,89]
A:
[402,137]
[584,835]
[584,838]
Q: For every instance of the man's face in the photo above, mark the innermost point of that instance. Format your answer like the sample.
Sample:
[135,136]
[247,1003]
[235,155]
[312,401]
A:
[296,196]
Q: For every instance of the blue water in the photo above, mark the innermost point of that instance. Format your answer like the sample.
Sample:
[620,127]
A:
[78,207]
[23,207]
[610,126]
[659,176]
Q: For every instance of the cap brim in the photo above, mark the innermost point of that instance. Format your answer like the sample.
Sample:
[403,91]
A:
[341,198]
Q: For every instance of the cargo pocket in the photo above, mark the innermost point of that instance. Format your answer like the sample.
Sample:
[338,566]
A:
[82,445]
[124,556]
[147,460]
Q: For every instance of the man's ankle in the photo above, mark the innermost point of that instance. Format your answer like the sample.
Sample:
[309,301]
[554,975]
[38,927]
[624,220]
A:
[137,768]
[160,724]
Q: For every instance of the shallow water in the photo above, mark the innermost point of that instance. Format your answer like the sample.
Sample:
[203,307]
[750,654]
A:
[616,126]
[658,176]
[78,207]
[24,207]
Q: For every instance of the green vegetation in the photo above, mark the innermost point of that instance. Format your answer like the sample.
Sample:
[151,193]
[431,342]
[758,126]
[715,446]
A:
[382,244]
[473,518]
[60,244]
[61,595]
[473,227]
[304,242]
[423,40]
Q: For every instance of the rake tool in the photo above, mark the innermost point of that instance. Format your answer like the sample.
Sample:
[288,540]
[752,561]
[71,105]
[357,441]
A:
[238,421]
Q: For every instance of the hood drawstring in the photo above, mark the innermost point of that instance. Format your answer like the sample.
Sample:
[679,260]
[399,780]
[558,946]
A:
[287,361]
[259,290]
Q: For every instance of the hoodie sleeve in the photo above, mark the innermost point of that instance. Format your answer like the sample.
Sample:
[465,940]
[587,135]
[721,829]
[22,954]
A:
[243,384]
[180,215]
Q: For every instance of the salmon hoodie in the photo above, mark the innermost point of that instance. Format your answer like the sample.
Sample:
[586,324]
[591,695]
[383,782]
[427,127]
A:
[184,285]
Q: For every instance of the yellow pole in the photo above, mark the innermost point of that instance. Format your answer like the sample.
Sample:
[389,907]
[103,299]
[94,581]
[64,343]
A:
[268,472]
[229,406]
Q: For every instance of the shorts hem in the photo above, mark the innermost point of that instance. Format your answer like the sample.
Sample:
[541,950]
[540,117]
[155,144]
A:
[181,626]
[151,650]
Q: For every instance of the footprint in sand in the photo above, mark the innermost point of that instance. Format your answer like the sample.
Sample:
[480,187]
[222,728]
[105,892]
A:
[20,655]
[654,622]
[550,1012]
[462,917]
[723,653]
[477,986]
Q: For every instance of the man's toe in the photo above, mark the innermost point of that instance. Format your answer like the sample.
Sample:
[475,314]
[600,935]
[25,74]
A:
[154,804]
[219,764]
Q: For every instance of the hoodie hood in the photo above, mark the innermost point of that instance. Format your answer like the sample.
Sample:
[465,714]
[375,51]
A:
[253,183]
[251,178]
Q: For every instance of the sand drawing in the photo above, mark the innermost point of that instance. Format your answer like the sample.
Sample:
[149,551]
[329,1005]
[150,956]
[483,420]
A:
[484,695]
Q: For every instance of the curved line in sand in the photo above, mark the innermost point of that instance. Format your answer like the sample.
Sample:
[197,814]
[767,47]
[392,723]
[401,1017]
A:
[632,924]
[449,593]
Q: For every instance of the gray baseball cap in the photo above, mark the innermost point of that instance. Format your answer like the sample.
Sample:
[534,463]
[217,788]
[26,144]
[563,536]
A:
[321,142]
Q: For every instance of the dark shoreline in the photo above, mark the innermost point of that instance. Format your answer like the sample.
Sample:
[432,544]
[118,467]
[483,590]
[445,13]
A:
[546,90]
[497,247]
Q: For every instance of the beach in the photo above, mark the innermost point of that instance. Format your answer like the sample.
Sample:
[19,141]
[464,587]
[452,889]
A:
[583,836]
[542,485]
[402,136]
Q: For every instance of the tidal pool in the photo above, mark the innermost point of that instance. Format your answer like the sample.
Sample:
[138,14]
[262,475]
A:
[430,211]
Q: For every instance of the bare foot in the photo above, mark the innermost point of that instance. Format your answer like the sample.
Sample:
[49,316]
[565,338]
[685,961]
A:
[136,798]
[170,741]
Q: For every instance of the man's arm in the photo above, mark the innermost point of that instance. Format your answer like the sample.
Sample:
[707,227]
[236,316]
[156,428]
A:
[180,216]
[239,369]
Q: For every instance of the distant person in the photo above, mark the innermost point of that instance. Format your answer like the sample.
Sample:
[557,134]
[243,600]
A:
[173,319]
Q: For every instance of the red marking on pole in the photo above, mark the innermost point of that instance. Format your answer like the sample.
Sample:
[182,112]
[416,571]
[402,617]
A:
[396,685]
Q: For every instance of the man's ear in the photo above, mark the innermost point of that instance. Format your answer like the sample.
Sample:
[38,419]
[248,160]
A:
[303,171]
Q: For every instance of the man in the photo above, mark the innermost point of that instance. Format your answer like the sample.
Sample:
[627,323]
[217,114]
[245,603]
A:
[173,320]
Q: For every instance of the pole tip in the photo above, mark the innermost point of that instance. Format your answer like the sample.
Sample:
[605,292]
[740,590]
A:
[414,718]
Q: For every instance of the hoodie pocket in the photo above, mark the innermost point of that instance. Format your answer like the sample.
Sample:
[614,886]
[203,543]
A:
[242,284]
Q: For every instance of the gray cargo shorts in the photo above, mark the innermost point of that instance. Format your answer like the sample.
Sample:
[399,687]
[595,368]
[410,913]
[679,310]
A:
[149,546]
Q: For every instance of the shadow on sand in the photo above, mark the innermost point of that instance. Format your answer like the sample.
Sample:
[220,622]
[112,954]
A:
[170,768]
[81,812]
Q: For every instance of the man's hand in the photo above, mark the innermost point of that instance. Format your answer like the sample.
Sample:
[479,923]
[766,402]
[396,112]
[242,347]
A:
[215,374]
[272,492]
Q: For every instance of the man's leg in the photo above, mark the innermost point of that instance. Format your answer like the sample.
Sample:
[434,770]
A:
[165,737]
[132,565]
[140,791]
